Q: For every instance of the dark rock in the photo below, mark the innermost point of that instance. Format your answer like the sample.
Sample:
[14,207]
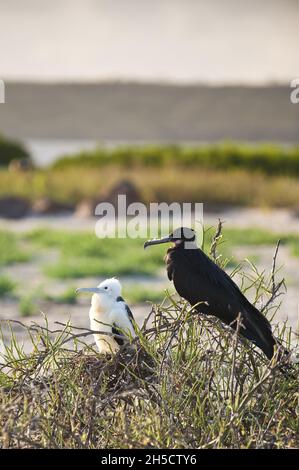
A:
[13,207]
[46,205]
[86,208]
[123,187]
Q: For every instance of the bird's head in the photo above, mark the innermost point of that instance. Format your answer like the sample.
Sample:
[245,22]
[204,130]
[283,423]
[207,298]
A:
[182,235]
[107,291]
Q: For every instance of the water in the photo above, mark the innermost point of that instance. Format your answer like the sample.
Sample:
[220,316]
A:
[46,151]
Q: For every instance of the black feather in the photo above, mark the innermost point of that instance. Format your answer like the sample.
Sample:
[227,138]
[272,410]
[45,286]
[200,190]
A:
[129,312]
[116,331]
[198,279]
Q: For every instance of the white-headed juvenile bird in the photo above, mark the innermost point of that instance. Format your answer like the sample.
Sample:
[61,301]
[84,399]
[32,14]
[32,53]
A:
[109,313]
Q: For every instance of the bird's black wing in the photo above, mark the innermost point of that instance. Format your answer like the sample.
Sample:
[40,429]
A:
[128,310]
[198,279]
[130,314]
[116,331]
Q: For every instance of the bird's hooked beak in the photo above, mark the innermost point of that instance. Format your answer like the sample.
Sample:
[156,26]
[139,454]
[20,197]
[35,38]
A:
[94,290]
[157,241]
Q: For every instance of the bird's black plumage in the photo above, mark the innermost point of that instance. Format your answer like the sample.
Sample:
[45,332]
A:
[115,329]
[116,334]
[128,310]
[200,281]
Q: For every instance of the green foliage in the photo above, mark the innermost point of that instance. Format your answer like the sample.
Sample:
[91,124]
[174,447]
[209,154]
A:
[295,248]
[266,158]
[69,296]
[27,306]
[183,382]
[256,236]
[139,294]
[167,183]
[7,286]
[10,150]
[83,254]
[10,250]
[261,175]
[234,237]
[250,236]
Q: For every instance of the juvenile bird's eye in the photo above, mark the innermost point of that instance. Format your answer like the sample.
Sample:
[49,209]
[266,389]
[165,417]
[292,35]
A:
[106,287]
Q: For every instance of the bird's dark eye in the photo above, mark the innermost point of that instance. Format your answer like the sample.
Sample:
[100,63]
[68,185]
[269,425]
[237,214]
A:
[105,287]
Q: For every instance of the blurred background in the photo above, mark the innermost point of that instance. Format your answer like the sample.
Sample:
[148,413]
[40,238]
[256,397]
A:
[161,101]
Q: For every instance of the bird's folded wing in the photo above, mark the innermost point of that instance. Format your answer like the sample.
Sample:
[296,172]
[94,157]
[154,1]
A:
[123,320]
[129,313]
[224,292]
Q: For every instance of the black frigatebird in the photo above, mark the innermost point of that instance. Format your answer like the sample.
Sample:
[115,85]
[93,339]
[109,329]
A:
[211,290]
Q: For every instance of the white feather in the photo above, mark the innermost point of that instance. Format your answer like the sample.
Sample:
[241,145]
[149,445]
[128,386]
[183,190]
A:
[105,312]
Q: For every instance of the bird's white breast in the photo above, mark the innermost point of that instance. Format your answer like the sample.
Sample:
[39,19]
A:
[103,317]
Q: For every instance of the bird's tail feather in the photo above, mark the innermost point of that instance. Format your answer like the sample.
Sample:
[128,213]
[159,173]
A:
[257,329]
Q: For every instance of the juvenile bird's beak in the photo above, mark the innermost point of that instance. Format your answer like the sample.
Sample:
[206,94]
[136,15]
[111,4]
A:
[157,241]
[94,290]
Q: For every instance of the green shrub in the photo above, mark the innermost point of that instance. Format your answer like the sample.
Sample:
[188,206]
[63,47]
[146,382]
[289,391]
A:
[27,306]
[83,254]
[7,286]
[10,150]
[10,251]
[139,294]
[183,382]
[266,158]
[69,296]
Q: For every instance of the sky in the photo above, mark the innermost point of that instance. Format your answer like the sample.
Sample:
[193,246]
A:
[206,41]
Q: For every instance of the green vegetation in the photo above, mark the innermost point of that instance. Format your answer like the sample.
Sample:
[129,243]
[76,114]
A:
[7,286]
[10,250]
[252,236]
[10,150]
[295,248]
[139,294]
[69,296]
[267,158]
[255,237]
[83,254]
[265,175]
[27,305]
[183,383]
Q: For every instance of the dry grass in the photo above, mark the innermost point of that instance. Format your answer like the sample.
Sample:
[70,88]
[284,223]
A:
[237,187]
[184,382]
